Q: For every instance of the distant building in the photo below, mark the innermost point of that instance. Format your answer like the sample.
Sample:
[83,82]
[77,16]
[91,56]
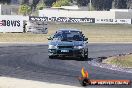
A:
[8,9]
[16,1]
[20,1]
[12,9]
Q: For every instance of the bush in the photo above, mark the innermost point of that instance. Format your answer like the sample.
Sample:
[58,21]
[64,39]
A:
[60,3]
[24,9]
[40,5]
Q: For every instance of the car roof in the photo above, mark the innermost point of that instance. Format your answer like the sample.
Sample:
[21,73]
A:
[69,29]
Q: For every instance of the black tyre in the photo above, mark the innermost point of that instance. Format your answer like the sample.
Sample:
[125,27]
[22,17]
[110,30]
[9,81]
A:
[86,55]
[51,57]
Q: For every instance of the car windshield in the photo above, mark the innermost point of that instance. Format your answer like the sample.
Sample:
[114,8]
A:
[69,35]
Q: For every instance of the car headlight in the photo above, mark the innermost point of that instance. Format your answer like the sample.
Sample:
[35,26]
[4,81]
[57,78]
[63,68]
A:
[78,47]
[52,47]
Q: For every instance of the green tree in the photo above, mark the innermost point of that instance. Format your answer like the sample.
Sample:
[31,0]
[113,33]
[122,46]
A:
[49,2]
[60,3]
[129,4]
[107,4]
[24,9]
[120,4]
[40,5]
[102,4]
[25,2]
[5,1]
[82,2]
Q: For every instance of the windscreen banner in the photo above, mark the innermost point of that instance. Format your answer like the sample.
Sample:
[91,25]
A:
[63,19]
[11,23]
[113,21]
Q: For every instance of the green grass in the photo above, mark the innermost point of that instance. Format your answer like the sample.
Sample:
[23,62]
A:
[95,33]
[121,61]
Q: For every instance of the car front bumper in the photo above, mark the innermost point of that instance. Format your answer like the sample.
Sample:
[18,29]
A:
[65,52]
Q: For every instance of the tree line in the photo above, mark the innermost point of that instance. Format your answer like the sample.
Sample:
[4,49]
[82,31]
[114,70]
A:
[96,4]
[28,8]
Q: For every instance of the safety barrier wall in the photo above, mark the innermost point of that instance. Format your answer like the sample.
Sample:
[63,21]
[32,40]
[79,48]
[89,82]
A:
[113,21]
[63,19]
[14,23]
[81,20]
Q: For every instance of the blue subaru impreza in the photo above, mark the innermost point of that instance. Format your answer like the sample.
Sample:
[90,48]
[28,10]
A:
[68,42]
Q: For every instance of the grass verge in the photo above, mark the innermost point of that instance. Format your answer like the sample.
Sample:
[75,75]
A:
[120,61]
[95,33]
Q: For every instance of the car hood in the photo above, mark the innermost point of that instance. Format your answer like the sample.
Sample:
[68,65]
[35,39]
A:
[66,43]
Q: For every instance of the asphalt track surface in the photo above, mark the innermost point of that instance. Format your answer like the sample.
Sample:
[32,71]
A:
[31,62]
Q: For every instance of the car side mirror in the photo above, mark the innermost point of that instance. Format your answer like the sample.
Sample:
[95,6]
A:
[85,39]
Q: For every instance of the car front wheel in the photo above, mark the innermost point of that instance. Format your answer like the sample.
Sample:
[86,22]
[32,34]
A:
[51,57]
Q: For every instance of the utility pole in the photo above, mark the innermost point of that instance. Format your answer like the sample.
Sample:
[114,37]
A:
[90,5]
